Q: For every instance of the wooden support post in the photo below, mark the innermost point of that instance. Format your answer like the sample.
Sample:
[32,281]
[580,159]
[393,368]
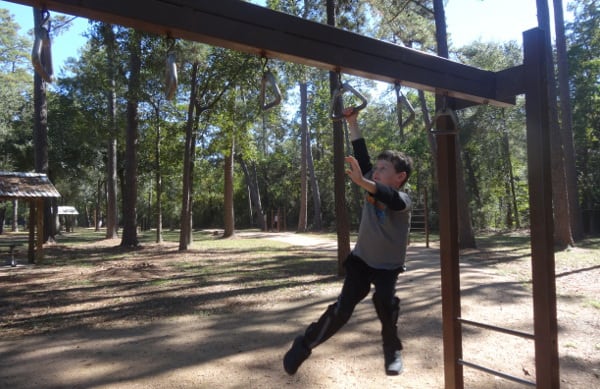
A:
[449,252]
[39,250]
[31,226]
[540,205]
[426,219]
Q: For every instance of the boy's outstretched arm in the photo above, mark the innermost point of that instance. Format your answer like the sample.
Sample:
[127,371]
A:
[355,174]
[358,142]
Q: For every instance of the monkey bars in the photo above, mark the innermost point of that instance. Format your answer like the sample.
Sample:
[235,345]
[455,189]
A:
[253,29]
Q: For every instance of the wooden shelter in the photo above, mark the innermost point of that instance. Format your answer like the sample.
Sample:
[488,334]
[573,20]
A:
[69,212]
[34,188]
[266,33]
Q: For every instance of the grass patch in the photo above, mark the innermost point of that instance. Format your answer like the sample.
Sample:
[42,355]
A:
[594,303]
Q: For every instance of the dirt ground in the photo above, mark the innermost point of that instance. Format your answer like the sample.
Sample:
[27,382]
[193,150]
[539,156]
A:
[216,319]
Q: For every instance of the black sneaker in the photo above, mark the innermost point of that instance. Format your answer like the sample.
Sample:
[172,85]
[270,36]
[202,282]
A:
[393,362]
[295,355]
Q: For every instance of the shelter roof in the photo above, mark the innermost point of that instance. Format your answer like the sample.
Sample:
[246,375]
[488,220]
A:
[18,185]
[67,210]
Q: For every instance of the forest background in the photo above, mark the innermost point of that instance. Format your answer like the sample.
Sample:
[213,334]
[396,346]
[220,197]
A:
[127,157]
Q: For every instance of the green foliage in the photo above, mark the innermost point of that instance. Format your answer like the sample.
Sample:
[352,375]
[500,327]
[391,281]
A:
[494,147]
[227,109]
[15,49]
[584,66]
[15,93]
[409,23]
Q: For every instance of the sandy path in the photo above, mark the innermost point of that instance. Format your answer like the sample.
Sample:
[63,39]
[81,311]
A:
[244,349]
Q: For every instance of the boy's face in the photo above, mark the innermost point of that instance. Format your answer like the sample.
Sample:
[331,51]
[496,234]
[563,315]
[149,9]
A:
[385,174]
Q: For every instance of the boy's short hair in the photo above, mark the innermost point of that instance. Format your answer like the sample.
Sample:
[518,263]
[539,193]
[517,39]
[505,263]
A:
[401,161]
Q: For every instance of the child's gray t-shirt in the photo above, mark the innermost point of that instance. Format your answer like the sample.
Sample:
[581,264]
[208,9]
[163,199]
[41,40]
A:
[383,234]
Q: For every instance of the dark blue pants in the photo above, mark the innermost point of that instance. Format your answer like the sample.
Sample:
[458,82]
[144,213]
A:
[357,284]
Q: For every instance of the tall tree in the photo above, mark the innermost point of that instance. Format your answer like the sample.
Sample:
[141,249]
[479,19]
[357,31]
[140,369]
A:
[185,236]
[584,66]
[41,25]
[560,201]
[256,209]
[220,70]
[304,146]
[308,180]
[15,92]
[42,61]
[15,88]
[566,122]
[158,115]
[492,140]
[314,184]
[156,105]
[234,125]
[466,236]
[129,238]
[111,157]
[228,209]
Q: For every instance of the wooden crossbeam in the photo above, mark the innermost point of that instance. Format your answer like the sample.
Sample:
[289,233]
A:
[253,29]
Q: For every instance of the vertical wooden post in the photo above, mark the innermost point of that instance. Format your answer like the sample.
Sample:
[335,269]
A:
[31,226]
[540,205]
[426,219]
[39,250]
[449,252]
[15,215]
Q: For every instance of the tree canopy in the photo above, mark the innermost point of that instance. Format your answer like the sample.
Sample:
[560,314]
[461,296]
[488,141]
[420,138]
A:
[216,109]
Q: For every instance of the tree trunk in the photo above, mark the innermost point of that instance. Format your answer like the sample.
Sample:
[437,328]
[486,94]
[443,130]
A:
[40,134]
[112,225]
[158,177]
[229,217]
[474,186]
[432,148]
[466,237]
[341,215]
[317,224]
[302,217]
[254,193]
[98,211]
[186,203]
[260,212]
[314,184]
[560,201]
[566,115]
[15,216]
[512,195]
[130,238]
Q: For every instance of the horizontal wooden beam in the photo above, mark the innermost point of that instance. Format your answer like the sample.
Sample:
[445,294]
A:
[258,30]
[510,82]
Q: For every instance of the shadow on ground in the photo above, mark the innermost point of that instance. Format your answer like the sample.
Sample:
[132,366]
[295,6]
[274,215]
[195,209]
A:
[224,318]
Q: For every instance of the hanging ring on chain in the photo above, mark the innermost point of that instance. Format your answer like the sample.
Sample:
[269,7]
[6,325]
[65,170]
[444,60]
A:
[338,94]
[41,54]
[171,70]
[268,83]
[445,121]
